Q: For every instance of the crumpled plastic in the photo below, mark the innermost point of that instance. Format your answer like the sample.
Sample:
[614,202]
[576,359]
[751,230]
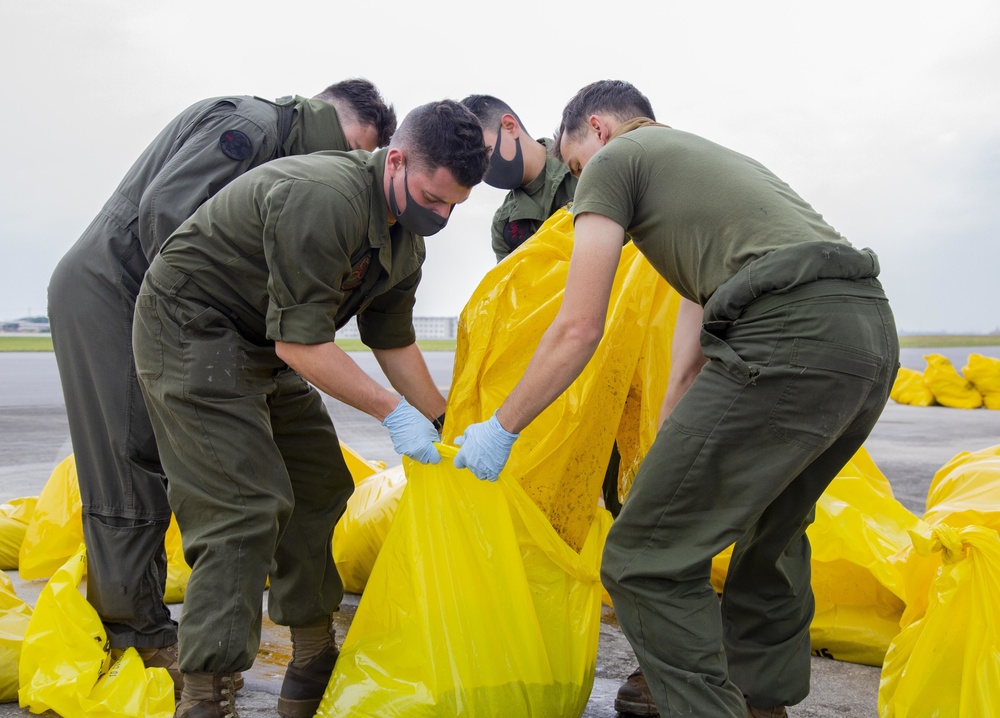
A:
[948,386]
[14,617]
[966,491]
[55,530]
[65,663]
[561,458]
[946,661]
[909,388]
[475,607]
[15,515]
[984,373]
[857,581]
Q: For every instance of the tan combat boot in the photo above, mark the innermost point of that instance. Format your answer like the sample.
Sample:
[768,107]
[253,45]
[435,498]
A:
[207,695]
[314,654]
[634,698]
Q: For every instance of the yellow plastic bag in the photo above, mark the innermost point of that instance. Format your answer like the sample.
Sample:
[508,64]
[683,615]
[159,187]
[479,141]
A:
[857,583]
[14,617]
[361,531]
[948,386]
[55,531]
[984,373]
[65,663]
[560,459]
[966,491]
[909,388]
[947,662]
[475,607]
[15,515]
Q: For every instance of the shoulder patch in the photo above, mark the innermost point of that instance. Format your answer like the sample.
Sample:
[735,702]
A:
[235,145]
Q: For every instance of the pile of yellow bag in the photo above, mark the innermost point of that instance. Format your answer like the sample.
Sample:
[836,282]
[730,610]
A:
[978,384]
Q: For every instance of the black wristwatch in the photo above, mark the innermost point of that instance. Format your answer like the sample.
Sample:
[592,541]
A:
[439,423]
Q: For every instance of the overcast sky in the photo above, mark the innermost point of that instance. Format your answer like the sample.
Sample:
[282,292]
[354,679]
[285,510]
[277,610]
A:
[885,116]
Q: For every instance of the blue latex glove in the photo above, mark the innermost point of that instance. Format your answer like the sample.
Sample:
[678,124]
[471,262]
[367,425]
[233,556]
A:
[485,449]
[412,433]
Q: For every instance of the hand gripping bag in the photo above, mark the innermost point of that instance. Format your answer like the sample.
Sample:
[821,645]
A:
[14,617]
[65,664]
[909,388]
[948,386]
[984,373]
[947,661]
[475,608]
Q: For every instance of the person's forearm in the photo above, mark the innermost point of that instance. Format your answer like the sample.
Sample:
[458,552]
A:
[561,356]
[407,371]
[686,356]
[332,371]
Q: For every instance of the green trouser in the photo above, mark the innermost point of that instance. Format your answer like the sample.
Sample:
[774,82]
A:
[793,387]
[255,475]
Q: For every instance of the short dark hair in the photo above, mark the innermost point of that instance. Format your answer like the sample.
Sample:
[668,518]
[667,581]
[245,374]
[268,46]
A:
[617,98]
[445,134]
[368,105]
[489,109]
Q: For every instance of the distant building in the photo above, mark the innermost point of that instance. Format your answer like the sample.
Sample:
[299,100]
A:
[27,325]
[425,327]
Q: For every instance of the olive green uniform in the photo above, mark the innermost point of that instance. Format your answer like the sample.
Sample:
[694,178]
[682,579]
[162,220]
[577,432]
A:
[287,252]
[803,351]
[526,208]
[91,301]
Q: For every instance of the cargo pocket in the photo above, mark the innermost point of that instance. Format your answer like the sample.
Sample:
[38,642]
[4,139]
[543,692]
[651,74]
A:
[146,334]
[828,386]
[214,356]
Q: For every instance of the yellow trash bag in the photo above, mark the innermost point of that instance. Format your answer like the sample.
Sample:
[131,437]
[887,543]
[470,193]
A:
[857,583]
[948,386]
[947,662]
[909,388]
[56,528]
[178,571]
[561,458]
[966,491]
[65,664]
[475,608]
[361,531]
[15,515]
[984,373]
[14,617]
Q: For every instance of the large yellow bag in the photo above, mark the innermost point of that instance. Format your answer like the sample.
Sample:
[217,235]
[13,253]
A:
[909,388]
[361,531]
[475,608]
[966,491]
[65,663]
[15,515]
[14,617]
[560,459]
[947,661]
[856,579]
[984,373]
[948,386]
[55,531]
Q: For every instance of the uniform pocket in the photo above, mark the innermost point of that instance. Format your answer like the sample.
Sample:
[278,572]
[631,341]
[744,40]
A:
[214,356]
[147,330]
[827,388]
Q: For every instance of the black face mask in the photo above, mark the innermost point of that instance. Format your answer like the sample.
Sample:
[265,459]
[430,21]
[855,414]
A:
[505,174]
[415,218]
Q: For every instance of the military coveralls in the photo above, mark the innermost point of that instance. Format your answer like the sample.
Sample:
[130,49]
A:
[91,301]
[803,351]
[288,252]
[526,208]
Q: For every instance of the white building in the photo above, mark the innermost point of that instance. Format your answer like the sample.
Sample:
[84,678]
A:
[425,327]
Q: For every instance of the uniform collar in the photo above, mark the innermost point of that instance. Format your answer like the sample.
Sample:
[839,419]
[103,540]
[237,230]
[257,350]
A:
[315,127]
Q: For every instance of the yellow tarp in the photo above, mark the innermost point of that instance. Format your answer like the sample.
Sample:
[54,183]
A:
[984,373]
[561,458]
[909,388]
[948,386]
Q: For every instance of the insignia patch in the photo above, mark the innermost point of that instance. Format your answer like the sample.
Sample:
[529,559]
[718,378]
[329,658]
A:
[357,275]
[515,232]
[235,145]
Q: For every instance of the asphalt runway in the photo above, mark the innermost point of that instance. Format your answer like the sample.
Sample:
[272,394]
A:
[909,445]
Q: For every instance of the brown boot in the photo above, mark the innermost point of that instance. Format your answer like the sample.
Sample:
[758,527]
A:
[207,695]
[773,712]
[166,657]
[634,698]
[314,654]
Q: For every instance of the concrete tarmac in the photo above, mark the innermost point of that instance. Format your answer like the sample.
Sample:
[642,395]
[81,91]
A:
[909,445]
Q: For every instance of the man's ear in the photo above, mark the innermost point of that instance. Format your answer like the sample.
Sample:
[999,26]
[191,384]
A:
[600,126]
[509,124]
[395,160]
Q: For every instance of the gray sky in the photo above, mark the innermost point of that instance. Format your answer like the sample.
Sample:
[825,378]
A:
[885,116]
